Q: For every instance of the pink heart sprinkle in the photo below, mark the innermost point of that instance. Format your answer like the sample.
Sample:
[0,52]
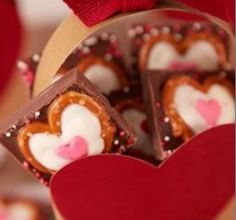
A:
[75,149]
[209,110]
[182,65]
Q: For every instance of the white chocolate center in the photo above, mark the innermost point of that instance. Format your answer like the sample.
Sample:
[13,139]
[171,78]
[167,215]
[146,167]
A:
[76,120]
[103,77]
[185,100]
[201,53]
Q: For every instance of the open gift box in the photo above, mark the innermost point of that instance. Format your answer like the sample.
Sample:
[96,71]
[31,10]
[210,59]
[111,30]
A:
[195,182]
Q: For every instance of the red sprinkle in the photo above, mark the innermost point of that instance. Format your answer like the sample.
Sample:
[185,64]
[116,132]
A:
[25,165]
[122,133]
[158,104]
[130,141]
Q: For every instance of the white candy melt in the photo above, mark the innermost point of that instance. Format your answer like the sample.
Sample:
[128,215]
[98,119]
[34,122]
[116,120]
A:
[104,77]
[185,100]
[76,120]
[201,53]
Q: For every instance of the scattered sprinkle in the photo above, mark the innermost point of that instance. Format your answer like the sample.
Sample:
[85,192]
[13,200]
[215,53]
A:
[158,104]
[8,134]
[126,89]
[116,142]
[131,33]
[197,26]
[22,65]
[36,57]
[178,37]
[85,50]
[154,32]
[122,133]
[146,37]
[167,138]
[13,127]
[25,165]
[91,41]
[166,119]
[165,30]
[112,38]
[104,36]
[139,29]
[108,57]
[37,114]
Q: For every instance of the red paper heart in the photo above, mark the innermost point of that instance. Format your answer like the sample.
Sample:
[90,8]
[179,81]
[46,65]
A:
[10,36]
[194,183]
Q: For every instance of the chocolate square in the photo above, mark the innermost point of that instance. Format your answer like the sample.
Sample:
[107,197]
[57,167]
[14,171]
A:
[160,126]
[36,110]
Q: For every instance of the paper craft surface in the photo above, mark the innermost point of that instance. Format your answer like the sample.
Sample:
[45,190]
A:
[196,182]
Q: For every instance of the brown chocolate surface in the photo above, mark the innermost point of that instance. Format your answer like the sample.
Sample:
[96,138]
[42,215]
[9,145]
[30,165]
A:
[36,110]
[159,123]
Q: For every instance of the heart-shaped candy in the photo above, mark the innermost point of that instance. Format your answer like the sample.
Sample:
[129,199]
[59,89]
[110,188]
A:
[99,70]
[193,107]
[195,183]
[77,126]
[200,50]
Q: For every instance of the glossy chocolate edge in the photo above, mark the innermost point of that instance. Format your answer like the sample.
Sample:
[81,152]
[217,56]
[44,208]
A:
[71,81]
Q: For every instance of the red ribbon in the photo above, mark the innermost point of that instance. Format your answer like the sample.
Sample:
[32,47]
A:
[92,12]
[10,38]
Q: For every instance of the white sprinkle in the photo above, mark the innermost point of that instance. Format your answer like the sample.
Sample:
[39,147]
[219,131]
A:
[104,36]
[166,119]
[146,37]
[168,153]
[165,30]
[91,41]
[154,32]
[112,38]
[37,114]
[131,33]
[167,138]
[36,57]
[8,134]
[197,26]
[139,29]
[178,37]
[13,127]
[85,50]
[80,47]
[108,57]
[126,89]
[22,65]
[116,142]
